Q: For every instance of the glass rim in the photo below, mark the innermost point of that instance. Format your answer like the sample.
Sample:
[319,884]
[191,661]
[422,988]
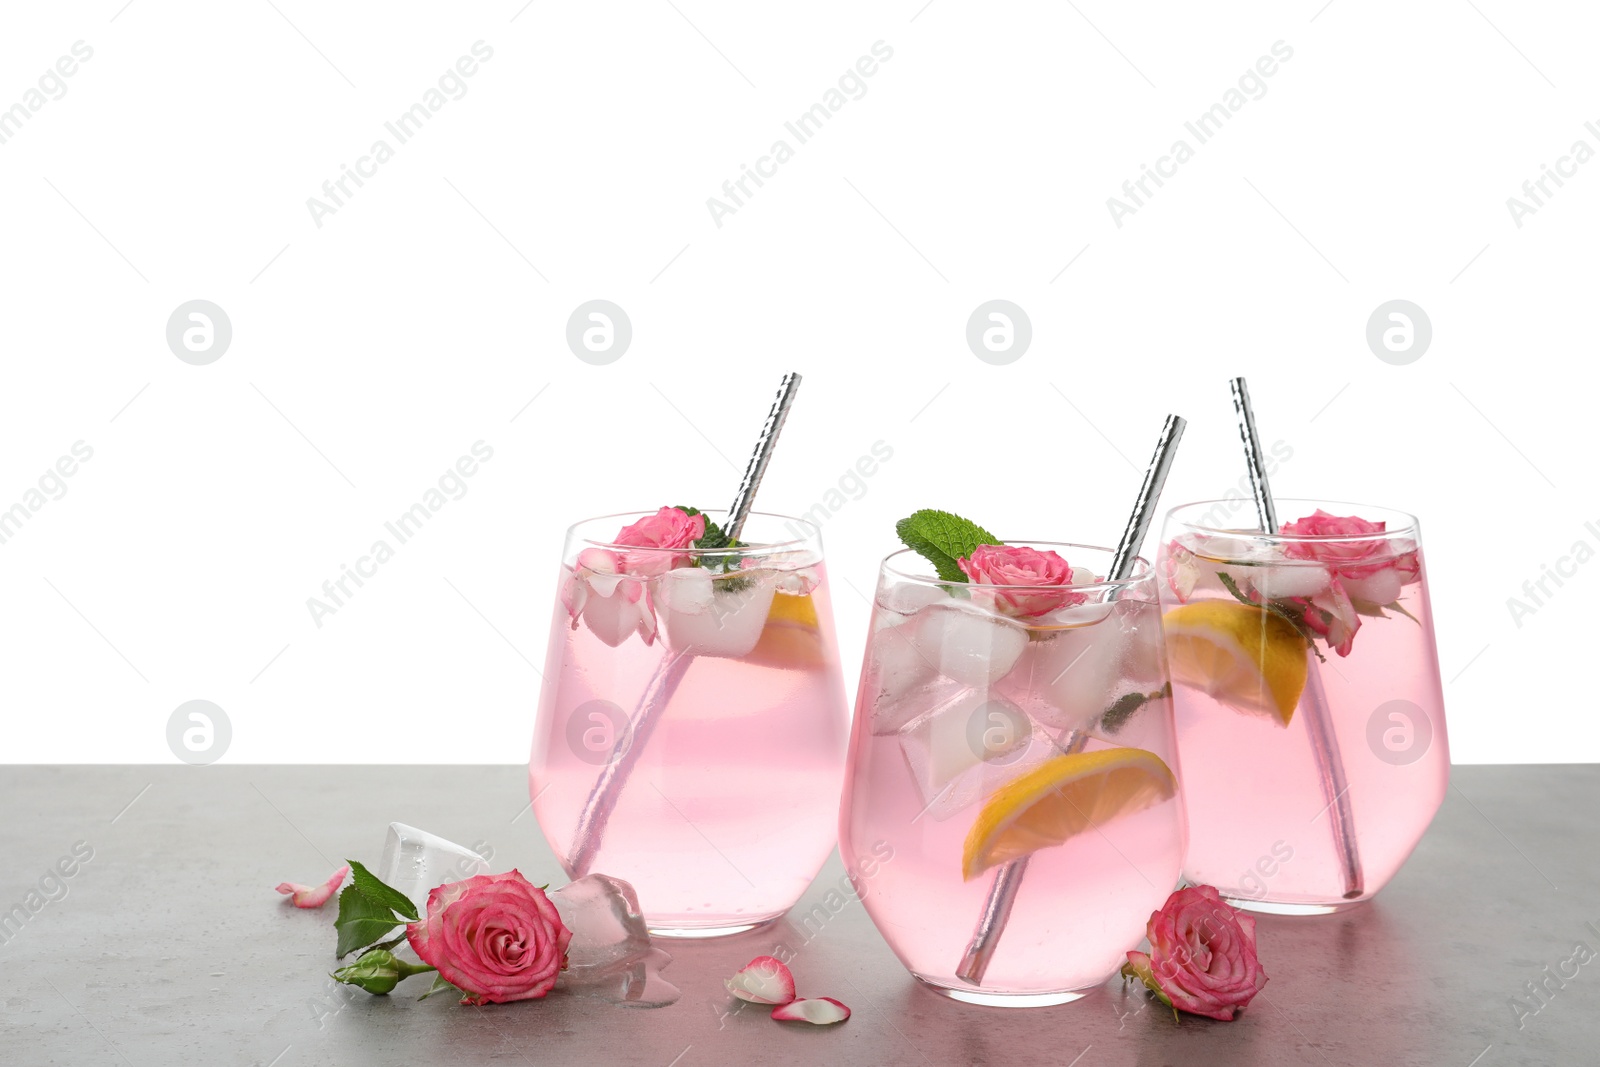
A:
[1143,569]
[1411,527]
[813,536]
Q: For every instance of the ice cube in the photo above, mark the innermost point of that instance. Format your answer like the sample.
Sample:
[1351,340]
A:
[637,984]
[902,683]
[610,955]
[800,582]
[966,749]
[1380,588]
[967,644]
[1066,679]
[617,617]
[724,622]
[607,929]
[415,862]
[1074,615]
[900,602]
[1282,580]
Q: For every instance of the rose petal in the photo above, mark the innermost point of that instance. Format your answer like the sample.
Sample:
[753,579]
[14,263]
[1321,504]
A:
[313,896]
[819,1011]
[764,980]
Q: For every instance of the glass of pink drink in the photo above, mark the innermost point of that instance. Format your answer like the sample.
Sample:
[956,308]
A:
[996,742]
[692,724]
[1309,710]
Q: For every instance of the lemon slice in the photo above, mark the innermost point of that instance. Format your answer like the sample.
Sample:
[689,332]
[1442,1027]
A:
[792,639]
[1238,653]
[1061,798]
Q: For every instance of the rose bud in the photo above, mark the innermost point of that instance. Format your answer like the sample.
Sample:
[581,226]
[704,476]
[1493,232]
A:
[378,972]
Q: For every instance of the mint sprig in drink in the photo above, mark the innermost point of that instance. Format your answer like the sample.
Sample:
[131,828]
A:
[1012,816]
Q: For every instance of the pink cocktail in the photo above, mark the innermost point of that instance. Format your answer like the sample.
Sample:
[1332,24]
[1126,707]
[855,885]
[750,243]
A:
[1013,752]
[692,725]
[1309,709]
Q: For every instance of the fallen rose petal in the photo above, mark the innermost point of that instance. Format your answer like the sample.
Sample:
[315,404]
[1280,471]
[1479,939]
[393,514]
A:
[313,896]
[819,1011]
[764,980]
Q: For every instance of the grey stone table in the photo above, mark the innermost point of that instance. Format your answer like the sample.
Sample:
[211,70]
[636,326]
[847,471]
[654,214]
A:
[168,945]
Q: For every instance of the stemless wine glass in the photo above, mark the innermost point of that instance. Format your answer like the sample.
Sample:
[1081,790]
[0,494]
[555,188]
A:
[691,727]
[1011,813]
[1306,691]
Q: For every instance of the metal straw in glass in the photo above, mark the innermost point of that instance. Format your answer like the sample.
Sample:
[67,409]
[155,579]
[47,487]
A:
[670,671]
[1008,879]
[1314,702]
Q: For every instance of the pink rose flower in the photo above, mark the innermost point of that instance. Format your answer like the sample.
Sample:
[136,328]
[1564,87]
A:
[1355,560]
[1332,614]
[1018,565]
[495,937]
[1202,956]
[614,606]
[668,528]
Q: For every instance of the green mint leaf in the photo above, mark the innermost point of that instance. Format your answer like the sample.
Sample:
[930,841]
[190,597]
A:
[1116,716]
[713,539]
[361,921]
[942,538]
[370,887]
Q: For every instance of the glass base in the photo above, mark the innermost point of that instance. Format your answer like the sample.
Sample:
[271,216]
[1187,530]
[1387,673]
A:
[1278,907]
[1002,1000]
[700,932]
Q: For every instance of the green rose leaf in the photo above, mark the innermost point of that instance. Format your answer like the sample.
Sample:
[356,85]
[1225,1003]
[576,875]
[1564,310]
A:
[440,986]
[361,921]
[370,887]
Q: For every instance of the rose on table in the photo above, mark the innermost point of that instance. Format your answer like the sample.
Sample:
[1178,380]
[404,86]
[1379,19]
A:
[1202,956]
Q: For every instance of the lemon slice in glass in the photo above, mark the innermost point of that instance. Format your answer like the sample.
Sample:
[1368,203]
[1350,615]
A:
[792,638]
[1061,798]
[1240,654]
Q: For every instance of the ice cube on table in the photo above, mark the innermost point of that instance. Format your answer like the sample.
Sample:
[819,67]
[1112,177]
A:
[700,614]
[966,643]
[968,748]
[610,955]
[415,862]
[607,929]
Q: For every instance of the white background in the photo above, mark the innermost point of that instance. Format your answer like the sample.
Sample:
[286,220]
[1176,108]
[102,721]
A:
[423,316]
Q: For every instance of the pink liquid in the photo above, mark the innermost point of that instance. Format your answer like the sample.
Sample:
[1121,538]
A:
[1081,904]
[730,809]
[1260,824]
